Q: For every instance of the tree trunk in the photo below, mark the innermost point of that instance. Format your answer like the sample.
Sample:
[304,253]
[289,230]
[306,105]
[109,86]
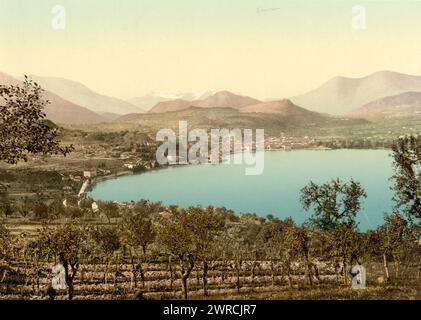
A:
[185,273]
[316,273]
[71,290]
[397,263]
[69,278]
[184,285]
[253,272]
[133,271]
[272,269]
[309,272]
[171,273]
[386,267]
[289,276]
[237,269]
[205,279]
[345,274]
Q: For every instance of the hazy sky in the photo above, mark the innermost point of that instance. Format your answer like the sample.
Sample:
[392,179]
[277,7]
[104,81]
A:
[262,48]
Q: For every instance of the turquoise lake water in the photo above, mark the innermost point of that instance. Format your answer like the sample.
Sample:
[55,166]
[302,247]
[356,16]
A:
[274,192]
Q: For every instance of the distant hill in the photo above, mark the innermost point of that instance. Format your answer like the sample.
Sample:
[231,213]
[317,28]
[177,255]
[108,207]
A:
[282,107]
[341,95]
[225,99]
[404,105]
[60,110]
[81,95]
[207,118]
[221,99]
[147,102]
[172,105]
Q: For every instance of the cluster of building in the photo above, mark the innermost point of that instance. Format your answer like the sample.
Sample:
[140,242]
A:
[288,143]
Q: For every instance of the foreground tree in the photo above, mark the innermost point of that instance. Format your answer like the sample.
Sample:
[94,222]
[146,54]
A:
[205,226]
[23,128]
[5,243]
[137,233]
[392,238]
[176,238]
[66,243]
[109,209]
[407,178]
[107,241]
[188,236]
[334,203]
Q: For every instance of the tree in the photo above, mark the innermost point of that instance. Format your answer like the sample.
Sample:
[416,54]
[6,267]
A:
[24,207]
[335,203]
[205,226]
[6,205]
[137,231]
[176,238]
[298,240]
[5,244]
[392,237]
[109,209]
[40,209]
[66,243]
[407,178]
[272,236]
[56,208]
[187,236]
[107,241]
[23,128]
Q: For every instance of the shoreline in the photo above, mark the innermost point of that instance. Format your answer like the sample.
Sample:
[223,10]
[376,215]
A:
[127,173]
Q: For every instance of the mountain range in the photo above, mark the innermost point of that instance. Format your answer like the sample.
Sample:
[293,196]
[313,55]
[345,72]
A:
[342,95]
[404,105]
[147,102]
[60,110]
[83,96]
[380,96]
[289,118]
[221,99]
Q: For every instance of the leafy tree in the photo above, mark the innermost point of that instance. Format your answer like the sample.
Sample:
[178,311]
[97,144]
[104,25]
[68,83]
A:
[5,258]
[251,226]
[344,245]
[137,232]
[298,240]
[187,236]
[66,242]
[272,236]
[175,237]
[24,207]
[22,124]
[56,208]
[205,226]
[6,205]
[107,241]
[406,153]
[391,239]
[233,248]
[335,203]
[40,209]
[109,209]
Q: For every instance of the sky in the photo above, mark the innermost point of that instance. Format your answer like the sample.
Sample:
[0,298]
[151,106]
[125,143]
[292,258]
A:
[261,48]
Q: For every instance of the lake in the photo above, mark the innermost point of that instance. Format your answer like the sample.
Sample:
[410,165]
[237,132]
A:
[274,192]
